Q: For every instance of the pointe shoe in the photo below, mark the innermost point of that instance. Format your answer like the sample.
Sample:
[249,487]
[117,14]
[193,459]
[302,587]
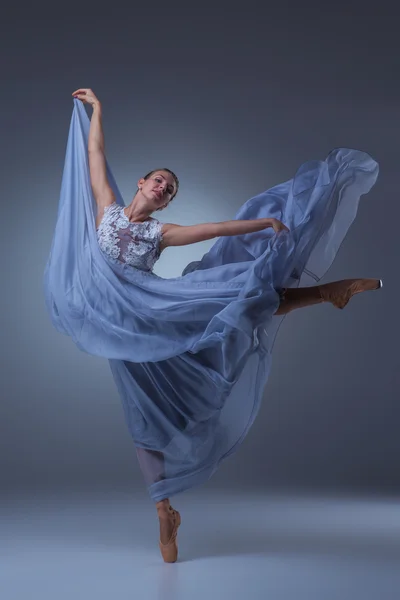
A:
[340,292]
[169,551]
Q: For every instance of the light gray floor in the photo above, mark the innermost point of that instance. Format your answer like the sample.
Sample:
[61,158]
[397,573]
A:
[103,545]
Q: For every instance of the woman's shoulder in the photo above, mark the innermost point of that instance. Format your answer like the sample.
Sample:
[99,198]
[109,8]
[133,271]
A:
[156,223]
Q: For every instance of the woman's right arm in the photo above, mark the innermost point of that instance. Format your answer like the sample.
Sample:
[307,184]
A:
[102,191]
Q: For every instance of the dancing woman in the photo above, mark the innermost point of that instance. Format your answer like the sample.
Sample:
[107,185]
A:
[191,355]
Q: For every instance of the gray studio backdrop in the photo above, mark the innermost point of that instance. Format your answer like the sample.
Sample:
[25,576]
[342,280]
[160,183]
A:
[233,102]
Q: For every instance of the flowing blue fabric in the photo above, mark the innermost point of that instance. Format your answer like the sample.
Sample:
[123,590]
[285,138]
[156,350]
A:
[191,355]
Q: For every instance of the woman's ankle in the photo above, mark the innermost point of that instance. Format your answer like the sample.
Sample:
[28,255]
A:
[162,505]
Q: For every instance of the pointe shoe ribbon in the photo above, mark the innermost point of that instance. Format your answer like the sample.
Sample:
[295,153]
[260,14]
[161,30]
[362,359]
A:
[169,551]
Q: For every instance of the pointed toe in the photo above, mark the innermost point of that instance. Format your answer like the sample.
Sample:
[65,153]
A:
[340,292]
[169,551]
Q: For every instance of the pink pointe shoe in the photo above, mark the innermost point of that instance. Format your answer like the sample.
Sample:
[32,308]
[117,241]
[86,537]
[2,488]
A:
[169,551]
[340,292]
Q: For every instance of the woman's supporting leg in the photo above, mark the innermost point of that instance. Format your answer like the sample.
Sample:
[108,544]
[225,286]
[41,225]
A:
[337,293]
[152,465]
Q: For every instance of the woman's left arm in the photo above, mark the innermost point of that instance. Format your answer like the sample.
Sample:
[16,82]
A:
[181,235]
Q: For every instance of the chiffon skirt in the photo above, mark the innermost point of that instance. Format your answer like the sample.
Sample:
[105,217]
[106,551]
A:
[190,355]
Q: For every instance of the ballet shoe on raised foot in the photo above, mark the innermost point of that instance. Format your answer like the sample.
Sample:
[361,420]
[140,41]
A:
[340,292]
[169,551]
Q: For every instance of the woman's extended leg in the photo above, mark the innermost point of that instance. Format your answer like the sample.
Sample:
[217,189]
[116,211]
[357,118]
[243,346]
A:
[337,293]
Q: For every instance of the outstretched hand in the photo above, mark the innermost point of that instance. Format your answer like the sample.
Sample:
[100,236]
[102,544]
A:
[86,95]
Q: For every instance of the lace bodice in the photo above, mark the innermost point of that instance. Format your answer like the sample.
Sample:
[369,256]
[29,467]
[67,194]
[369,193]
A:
[136,244]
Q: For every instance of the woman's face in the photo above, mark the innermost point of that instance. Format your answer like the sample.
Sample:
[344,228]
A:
[158,189]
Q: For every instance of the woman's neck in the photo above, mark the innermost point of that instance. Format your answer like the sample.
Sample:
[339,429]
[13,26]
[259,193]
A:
[137,211]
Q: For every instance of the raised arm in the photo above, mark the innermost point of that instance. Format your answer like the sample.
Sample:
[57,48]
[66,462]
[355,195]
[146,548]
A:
[97,161]
[181,235]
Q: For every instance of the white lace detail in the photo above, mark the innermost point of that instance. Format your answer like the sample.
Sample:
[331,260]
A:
[136,244]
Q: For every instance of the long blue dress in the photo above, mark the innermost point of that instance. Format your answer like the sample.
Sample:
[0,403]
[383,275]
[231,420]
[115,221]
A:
[191,355]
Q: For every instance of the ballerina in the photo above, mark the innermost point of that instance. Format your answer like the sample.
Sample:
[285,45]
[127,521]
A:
[130,237]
